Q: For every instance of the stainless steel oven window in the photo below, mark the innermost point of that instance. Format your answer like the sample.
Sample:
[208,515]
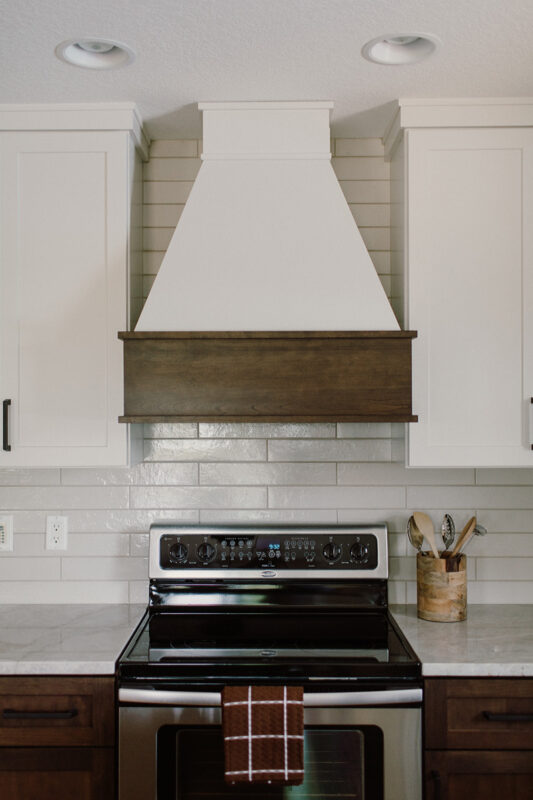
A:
[139,728]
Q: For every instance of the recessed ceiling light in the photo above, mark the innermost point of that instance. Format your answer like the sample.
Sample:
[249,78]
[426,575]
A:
[95,53]
[400,48]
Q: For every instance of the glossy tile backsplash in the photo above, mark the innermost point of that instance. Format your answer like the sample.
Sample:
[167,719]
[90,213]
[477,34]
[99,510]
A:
[284,473]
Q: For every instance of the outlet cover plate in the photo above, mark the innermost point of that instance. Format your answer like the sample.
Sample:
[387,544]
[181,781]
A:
[56,533]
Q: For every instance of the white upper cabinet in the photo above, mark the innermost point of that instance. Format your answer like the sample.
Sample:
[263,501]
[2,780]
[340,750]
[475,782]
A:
[67,217]
[463,233]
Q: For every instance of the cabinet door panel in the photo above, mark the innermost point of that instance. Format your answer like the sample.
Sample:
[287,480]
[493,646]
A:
[463,775]
[63,296]
[49,774]
[469,287]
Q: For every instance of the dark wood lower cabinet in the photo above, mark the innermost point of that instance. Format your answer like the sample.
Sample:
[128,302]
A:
[57,738]
[487,775]
[68,773]
[478,739]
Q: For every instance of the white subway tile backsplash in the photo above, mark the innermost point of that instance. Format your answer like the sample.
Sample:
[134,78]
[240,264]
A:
[203,450]
[197,497]
[514,591]
[103,569]
[29,477]
[267,430]
[504,569]
[258,473]
[144,473]
[30,569]
[504,477]
[267,474]
[64,592]
[138,592]
[171,430]
[395,519]
[305,516]
[130,521]
[63,497]
[471,497]
[364,430]
[397,474]
[336,497]
[329,450]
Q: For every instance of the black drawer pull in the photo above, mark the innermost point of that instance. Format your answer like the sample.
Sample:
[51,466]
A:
[5,421]
[435,777]
[492,717]
[9,713]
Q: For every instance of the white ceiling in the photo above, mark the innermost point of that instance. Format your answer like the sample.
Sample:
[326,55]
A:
[191,50]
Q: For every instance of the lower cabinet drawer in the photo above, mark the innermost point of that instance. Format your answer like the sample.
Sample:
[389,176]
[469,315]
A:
[479,714]
[57,711]
[471,775]
[73,773]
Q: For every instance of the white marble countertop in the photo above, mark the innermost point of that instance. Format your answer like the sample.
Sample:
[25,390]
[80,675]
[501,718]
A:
[494,640]
[64,639]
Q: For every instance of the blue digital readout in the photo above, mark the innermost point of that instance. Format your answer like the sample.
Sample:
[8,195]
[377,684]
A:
[274,546]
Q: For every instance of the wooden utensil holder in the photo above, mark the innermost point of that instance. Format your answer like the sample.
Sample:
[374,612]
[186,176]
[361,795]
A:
[441,595]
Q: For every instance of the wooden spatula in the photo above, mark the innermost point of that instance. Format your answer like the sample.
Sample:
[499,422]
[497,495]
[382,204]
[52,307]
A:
[466,534]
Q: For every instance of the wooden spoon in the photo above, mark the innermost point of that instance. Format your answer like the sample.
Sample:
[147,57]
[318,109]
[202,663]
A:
[425,526]
[466,534]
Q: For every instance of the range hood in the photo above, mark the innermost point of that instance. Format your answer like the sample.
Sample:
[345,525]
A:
[267,305]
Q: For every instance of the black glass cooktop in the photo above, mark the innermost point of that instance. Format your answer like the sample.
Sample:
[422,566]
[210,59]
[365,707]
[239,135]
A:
[217,646]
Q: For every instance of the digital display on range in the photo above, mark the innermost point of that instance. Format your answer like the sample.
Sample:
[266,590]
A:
[264,543]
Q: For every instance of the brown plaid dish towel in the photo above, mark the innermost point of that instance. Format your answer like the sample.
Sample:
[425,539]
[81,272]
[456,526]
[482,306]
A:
[263,729]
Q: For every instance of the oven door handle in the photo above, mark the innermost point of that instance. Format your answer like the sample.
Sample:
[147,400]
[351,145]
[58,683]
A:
[158,697]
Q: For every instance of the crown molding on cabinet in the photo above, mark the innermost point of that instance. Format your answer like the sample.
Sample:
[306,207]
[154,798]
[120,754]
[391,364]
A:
[76,117]
[462,112]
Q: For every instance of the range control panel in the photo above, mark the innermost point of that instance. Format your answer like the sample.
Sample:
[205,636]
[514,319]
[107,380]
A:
[320,549]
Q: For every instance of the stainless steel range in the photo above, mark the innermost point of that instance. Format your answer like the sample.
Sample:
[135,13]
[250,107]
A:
[303,606]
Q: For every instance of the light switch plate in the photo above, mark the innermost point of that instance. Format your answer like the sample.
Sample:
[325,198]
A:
[6,533]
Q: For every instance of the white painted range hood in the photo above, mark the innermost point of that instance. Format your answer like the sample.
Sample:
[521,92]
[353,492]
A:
[267,306]
[266,241]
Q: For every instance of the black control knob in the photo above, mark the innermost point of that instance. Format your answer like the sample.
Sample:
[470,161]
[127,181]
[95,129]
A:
[205,551]
[178,553]
[331,551]
[358,551]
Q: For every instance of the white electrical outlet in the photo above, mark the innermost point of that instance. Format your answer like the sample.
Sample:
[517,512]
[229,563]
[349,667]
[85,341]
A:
[56,533]
[6,533]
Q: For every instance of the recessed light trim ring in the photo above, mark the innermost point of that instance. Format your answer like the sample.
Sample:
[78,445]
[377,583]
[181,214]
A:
[95,53]
[394,49]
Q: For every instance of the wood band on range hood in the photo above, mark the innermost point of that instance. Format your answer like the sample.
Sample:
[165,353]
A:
[267,376]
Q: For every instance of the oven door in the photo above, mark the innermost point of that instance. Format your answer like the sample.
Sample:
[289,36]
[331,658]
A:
[358,745]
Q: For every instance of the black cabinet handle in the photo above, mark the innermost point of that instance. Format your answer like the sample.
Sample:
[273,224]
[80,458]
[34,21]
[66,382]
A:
[9,713]
[6,445]
[493,717]
[435,777]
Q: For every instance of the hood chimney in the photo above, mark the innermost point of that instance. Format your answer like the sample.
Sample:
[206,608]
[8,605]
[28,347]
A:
[267,306]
